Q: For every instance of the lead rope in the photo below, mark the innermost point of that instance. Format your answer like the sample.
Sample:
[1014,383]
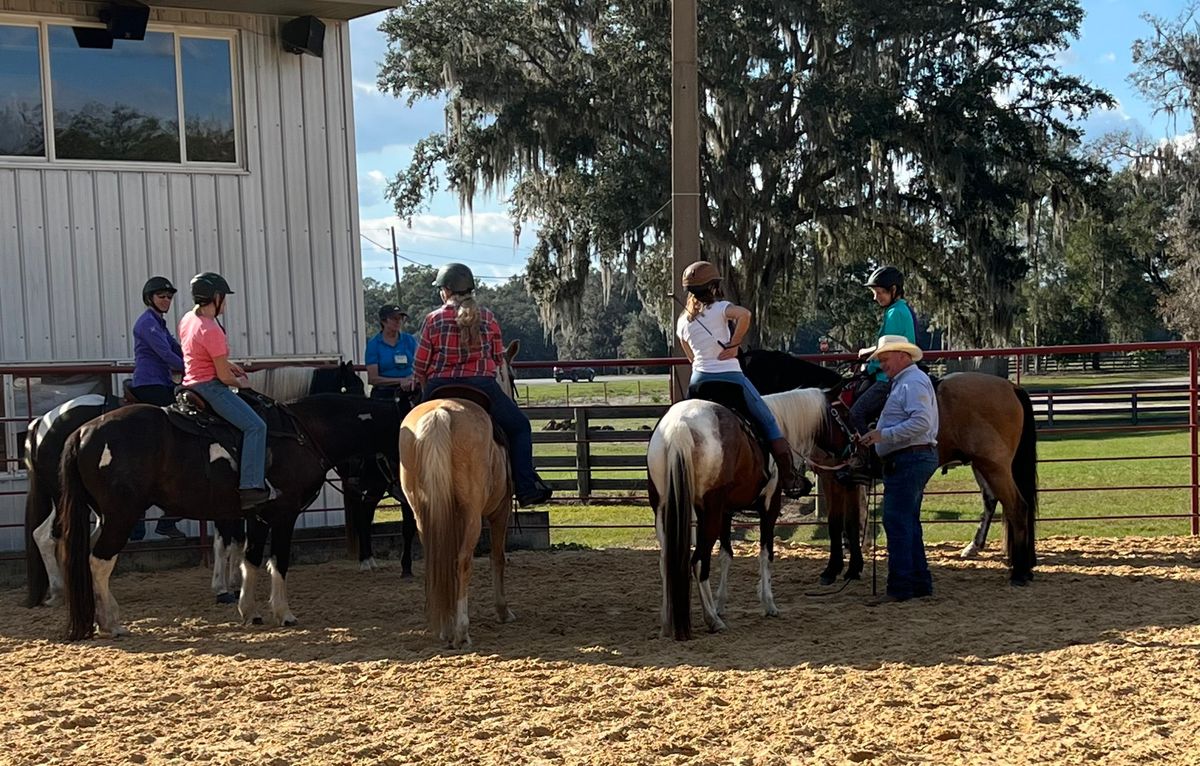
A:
[873,508]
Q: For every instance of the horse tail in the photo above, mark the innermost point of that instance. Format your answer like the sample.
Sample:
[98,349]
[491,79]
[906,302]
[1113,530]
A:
[38,507]
[443,525]
[75,515]
[1024,470]
[677,530]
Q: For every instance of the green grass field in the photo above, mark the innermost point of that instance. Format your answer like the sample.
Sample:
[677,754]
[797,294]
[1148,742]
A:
[601,526]
[948,516]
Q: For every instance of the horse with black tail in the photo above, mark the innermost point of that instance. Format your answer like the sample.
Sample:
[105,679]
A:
[123,462]
[47,435]
[705,463]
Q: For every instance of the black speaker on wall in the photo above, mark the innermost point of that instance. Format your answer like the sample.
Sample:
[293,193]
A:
[126,19]
[305,34]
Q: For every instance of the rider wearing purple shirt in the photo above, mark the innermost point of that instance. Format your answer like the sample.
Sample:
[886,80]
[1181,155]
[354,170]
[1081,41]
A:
[156,353]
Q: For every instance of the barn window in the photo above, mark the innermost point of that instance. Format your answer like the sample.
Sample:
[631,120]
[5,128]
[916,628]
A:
[22,131]
[167,99]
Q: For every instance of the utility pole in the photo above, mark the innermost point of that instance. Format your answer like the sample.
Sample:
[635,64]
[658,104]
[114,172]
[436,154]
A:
[396,264]
[685,163]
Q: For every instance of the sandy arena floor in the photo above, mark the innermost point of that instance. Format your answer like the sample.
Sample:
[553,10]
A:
[1097,662]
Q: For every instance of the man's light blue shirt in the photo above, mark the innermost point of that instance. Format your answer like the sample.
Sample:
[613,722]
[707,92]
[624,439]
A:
[910,415]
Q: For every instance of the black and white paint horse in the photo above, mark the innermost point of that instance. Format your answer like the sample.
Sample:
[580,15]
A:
[47,434]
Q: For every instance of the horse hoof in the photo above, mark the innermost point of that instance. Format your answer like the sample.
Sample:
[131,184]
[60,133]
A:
[1018,582]
[290,622]
[969,552]
[506,616]
[770,612]
[717,626]
[256,621]
[406,575]
[227,598]
[827,579]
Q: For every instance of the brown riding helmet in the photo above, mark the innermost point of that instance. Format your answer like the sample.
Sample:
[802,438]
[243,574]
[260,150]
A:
[700,273]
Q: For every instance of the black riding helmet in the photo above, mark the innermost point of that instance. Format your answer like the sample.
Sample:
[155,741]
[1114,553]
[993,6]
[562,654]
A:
[156,285]
[887,277]
[207,285]
[456,278]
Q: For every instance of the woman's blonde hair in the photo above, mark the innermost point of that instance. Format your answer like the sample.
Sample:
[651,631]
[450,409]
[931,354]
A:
[467,317]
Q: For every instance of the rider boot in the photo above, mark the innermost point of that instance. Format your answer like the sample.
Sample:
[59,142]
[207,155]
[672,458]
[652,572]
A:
[794,485]
[858,466]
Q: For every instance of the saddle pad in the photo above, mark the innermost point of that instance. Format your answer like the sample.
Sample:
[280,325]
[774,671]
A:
[208,425]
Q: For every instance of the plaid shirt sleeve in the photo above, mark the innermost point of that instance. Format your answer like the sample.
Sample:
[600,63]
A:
[424,350]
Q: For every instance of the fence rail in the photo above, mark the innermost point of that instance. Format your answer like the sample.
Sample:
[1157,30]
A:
[592,445]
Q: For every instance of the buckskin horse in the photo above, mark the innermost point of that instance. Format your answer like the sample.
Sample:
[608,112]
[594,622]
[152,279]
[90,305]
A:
[455,474]
[47,435]
[702,462]
[984,421]
[129,459]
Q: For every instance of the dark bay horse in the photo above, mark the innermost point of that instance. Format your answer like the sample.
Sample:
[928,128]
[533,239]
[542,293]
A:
[127,460]
[47,435]
[985,421]
[702,463]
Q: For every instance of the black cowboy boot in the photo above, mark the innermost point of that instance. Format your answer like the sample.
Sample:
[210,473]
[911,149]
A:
[858,467]
[794,485]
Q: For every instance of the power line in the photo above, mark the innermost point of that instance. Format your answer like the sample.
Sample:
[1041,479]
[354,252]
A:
[477,276]
[465,241]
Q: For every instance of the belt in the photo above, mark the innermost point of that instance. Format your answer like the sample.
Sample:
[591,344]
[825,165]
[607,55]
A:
[912,448]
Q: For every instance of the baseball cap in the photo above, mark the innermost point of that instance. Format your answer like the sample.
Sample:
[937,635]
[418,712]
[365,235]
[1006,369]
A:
[387,309]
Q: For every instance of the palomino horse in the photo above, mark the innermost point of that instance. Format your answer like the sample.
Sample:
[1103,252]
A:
[455,475]
[702,462]
[985,421]
[123,462]
[47,435]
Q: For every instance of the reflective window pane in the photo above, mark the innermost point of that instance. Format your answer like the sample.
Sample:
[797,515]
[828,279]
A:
[21,127]
[117,104]
[208,100]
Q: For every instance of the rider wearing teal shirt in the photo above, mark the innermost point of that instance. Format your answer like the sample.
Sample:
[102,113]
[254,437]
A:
[887,287]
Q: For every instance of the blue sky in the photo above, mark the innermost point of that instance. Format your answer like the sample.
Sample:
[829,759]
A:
[386,129]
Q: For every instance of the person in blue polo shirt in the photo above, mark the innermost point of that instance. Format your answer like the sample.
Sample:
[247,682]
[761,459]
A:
[390,355]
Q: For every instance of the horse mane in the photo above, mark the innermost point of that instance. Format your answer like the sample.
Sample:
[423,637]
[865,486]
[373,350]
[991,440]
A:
[801,414]
[283,384]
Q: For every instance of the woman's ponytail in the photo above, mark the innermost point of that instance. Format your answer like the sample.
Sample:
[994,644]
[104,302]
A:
[467,316]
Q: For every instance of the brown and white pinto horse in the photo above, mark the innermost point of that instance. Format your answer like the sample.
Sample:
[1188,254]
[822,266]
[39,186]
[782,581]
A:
[455,475]
[702,463]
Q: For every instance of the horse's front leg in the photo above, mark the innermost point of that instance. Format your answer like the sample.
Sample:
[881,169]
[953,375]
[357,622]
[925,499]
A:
[835,504]
[281,551]
[408,530]
[707,533]
[256,543]
[856,530]
[766,554]
[724,560]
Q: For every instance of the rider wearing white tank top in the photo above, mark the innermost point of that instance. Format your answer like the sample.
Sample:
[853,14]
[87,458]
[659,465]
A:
[707,336]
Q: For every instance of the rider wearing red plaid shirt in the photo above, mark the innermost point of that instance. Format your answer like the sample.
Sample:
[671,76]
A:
[461,343]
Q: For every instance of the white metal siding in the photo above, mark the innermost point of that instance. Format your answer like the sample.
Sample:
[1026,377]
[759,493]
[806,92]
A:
[77,244]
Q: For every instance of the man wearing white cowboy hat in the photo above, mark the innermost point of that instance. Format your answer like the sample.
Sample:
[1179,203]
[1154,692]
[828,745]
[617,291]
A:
[906,440]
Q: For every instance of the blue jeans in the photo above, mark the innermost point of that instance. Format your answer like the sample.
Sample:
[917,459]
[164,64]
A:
[511,420]
[762,413]
[868,405]
[223,401]
[904,479]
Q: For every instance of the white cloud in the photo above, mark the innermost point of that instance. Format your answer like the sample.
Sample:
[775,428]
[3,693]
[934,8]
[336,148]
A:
[485,241]
[1108,58]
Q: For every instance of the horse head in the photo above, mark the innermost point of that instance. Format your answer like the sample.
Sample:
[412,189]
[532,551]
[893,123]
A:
[504,372]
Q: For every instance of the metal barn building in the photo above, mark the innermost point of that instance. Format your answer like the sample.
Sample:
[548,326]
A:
[203,146]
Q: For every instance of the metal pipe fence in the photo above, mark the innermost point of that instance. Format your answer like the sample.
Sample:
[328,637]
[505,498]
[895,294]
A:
[600,441]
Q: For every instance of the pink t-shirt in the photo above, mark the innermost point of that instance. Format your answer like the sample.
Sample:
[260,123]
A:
[202,340]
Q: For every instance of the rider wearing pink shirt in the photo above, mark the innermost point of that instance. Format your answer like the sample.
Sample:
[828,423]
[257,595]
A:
[207,369]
